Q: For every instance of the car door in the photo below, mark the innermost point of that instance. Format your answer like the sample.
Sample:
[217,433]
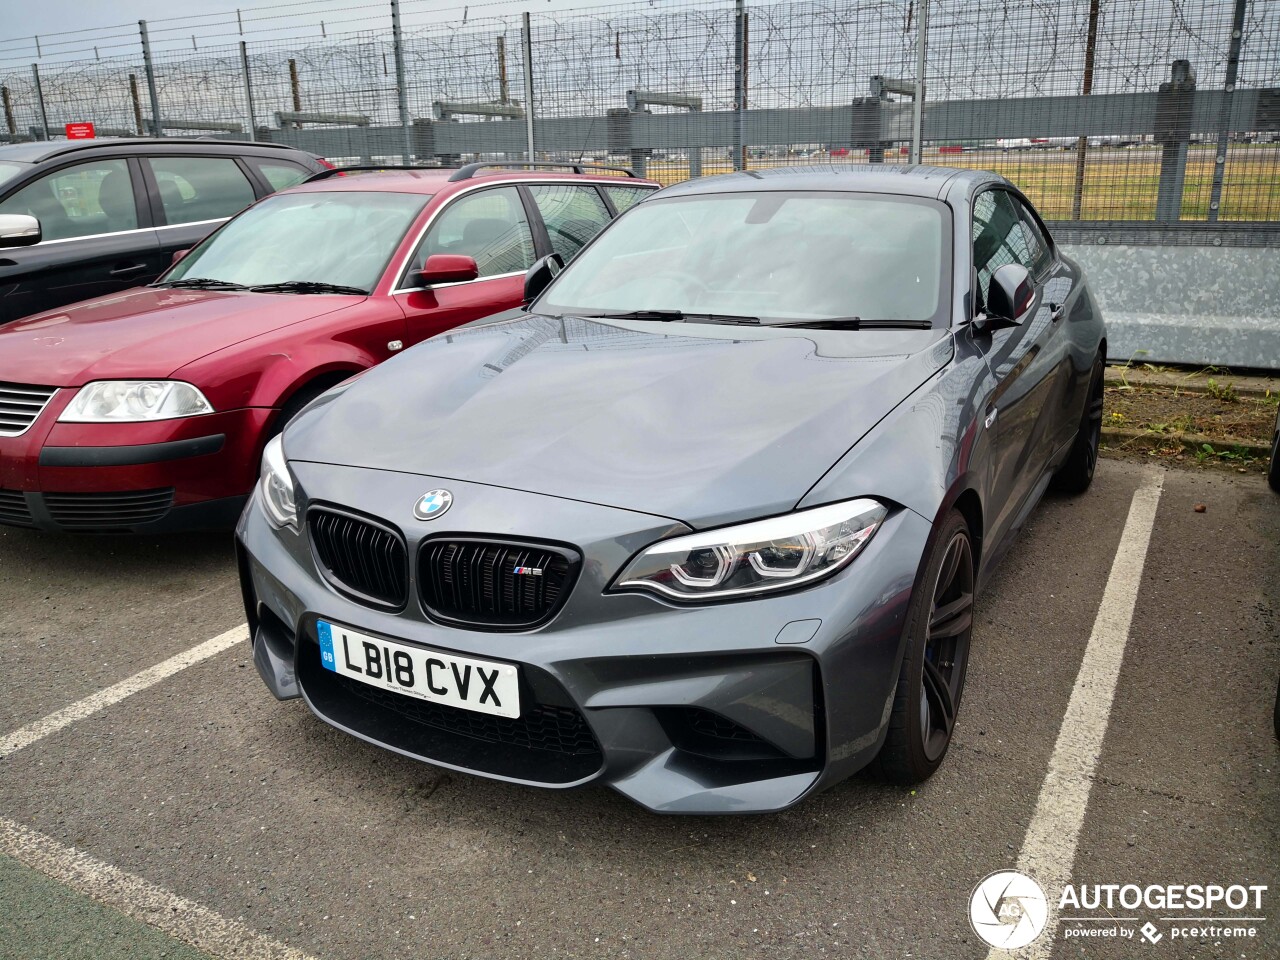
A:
[1025,358]
[491,225]
[192,196]
[97,237]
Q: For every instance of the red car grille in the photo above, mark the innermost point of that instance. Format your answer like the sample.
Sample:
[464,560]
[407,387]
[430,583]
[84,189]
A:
[20,404]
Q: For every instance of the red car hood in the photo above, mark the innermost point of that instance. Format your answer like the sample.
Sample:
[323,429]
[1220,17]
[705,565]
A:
[145,333]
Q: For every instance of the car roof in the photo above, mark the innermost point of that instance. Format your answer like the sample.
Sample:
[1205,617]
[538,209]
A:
[40,150]
[432,180]
[911,180]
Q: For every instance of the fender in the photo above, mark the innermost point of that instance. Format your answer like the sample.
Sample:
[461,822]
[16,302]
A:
[266,371]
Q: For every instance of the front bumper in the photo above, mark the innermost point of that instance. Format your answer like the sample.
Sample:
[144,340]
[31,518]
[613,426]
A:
[162,476]
[741,707]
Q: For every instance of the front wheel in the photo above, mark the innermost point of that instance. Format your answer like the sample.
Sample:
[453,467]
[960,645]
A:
[931,681]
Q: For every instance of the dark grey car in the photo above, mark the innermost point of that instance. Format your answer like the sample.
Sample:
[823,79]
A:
[113,212]
[705,523]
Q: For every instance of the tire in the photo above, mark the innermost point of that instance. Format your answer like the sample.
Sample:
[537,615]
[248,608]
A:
[1276,717]
[293,406]
[931,680]
[1076,473]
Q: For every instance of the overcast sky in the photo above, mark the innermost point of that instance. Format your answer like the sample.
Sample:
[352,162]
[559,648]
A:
[175,23]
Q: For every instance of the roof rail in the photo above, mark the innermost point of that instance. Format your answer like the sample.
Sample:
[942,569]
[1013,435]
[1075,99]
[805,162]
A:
[471,169]
[59,147]
[369,168]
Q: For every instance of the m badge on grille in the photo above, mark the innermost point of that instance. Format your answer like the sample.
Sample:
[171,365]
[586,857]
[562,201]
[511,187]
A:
[528,571]
[432,504]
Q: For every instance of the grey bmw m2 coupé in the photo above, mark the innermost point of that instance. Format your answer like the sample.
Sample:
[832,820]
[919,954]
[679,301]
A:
[706,519]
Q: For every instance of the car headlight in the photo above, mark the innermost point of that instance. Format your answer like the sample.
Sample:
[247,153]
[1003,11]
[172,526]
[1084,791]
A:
[126,401]
[278,501]
[758,557]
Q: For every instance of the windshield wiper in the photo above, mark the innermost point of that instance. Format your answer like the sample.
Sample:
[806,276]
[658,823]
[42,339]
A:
[201,283]
[665,316]
[669,316]
[857,323]
[307,286]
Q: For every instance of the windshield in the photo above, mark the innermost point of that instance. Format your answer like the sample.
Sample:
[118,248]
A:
[343,239]
[774,256]
[10,170]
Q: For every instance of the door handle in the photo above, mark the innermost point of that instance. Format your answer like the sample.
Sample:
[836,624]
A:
[1057,311]
[123,270]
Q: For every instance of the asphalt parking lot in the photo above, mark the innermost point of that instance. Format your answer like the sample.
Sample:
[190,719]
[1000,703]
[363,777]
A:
[196,810]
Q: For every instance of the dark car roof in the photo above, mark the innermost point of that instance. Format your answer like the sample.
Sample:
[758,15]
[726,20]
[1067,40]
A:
[431,180]
[902,179]
[41,150]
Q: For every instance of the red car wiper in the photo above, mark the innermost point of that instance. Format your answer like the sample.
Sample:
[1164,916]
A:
[307,286]
[200,283]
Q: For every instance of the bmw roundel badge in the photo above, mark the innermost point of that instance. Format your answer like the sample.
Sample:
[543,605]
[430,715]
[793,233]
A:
[432,504]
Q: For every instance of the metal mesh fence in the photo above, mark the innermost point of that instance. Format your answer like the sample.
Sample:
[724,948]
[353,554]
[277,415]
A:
[1152,112]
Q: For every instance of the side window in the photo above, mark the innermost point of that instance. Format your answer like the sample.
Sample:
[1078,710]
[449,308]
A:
[200,188]
[572,215]
[489,225]
[624,198]
[999,237]
[79,201]
[281,175]
[1041,252]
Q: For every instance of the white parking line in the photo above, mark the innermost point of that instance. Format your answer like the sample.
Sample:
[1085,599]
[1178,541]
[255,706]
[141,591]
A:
[177,916]
[1049,850]
[90,705]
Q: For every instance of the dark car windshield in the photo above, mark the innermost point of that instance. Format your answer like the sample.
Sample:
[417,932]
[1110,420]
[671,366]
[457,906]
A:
[10,170]
[794,256]
[339,239]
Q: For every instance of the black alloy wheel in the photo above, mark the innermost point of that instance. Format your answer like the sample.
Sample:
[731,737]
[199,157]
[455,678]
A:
[946,649]
[931,679]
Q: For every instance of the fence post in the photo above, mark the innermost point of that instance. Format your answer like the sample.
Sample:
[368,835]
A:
[402,92]
[248,91]
[137,104]
[526,41]
[156,129]
[917,108]
[739,84]
[9,123]
[1228,94]
[1173,132]
[1086,87]
[44,117]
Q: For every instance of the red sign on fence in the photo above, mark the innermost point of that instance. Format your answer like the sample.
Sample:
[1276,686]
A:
[80,131]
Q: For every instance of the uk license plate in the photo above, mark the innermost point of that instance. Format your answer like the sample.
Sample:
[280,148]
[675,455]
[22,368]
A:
[479,685]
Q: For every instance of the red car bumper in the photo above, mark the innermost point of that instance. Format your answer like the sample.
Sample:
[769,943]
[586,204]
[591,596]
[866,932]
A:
[160,476]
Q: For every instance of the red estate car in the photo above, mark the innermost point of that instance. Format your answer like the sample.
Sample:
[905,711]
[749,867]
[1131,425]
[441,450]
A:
[148,410]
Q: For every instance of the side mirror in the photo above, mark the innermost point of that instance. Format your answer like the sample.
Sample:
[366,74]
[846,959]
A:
[1010,295]
[179,254]
[448,268]
[541,274]
[19,230]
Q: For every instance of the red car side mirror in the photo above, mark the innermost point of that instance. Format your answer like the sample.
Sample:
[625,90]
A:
[179,254]
[448,268]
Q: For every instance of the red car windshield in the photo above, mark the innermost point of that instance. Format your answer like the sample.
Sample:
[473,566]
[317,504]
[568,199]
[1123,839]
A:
[331,239]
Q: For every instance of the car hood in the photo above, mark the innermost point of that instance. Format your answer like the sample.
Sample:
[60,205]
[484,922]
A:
[146,332]
[700,423]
